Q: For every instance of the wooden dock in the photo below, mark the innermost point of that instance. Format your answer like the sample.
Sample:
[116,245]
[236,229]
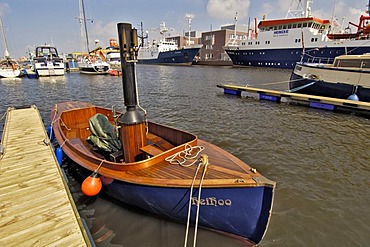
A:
[313,101]
[36,207]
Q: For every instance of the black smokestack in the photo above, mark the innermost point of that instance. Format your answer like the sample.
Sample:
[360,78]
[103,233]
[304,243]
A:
[133,129]
[128,44]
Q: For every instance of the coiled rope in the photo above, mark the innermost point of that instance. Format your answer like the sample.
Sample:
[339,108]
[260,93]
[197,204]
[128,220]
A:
[180,158]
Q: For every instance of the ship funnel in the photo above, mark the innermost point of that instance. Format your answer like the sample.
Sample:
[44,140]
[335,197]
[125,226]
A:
[132,123]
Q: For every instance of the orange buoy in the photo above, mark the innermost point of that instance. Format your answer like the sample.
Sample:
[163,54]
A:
[92,185]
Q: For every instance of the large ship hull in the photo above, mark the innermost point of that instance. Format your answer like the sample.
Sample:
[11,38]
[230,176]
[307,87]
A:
[287,58]
[176,57]
[280,43]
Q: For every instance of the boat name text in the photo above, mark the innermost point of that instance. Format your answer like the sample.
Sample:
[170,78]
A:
[281,32]
[211,201]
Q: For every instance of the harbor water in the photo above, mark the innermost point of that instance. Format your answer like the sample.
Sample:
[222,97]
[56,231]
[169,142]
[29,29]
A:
[319,159]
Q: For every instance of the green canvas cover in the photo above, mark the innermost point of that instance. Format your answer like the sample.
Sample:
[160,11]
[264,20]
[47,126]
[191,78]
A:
[103,134]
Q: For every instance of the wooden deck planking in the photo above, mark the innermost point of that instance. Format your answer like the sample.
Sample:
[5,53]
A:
[36,207]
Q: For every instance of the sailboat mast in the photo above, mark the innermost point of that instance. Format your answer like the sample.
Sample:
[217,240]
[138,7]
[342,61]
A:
[6,52]
[85,25]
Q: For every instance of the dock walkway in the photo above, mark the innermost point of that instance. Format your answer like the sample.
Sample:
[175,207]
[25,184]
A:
[314,101]
[36,207]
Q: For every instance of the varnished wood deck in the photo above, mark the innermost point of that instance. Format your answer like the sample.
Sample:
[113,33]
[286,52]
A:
[36,207]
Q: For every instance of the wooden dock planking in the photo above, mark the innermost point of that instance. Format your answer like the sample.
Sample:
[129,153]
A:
[355,105]
[36,207]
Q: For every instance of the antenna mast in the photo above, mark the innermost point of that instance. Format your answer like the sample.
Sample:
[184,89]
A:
[142,37]
[189,17]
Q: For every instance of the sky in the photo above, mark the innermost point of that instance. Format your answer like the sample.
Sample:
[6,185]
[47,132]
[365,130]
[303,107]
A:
[30,23]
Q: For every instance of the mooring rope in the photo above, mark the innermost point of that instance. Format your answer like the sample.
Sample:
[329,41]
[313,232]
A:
[301,87]
[4,115]
[97,169]
[271,83]
[2,147]
[203,160]
[64,124]
[189,206]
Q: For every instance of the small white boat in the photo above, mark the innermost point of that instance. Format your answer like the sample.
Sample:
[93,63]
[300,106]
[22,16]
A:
[9,68]
[347,78]
[94,63]
[47,62]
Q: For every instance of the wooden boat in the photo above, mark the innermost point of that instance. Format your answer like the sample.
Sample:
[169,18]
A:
[164,170]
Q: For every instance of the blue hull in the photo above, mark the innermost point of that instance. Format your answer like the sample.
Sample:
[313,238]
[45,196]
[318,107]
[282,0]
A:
[322,88]
[177,57]
[239,211]
[287,58]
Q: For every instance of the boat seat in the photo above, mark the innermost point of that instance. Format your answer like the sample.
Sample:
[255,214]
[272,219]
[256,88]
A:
[151,150]
[77,143]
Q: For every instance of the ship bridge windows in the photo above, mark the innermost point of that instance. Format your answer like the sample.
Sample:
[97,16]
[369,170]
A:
[294,25]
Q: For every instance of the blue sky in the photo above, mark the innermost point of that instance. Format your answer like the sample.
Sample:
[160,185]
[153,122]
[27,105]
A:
[29,23]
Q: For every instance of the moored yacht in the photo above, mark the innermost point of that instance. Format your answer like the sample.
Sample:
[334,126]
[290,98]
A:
[347,78]
[47,61]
